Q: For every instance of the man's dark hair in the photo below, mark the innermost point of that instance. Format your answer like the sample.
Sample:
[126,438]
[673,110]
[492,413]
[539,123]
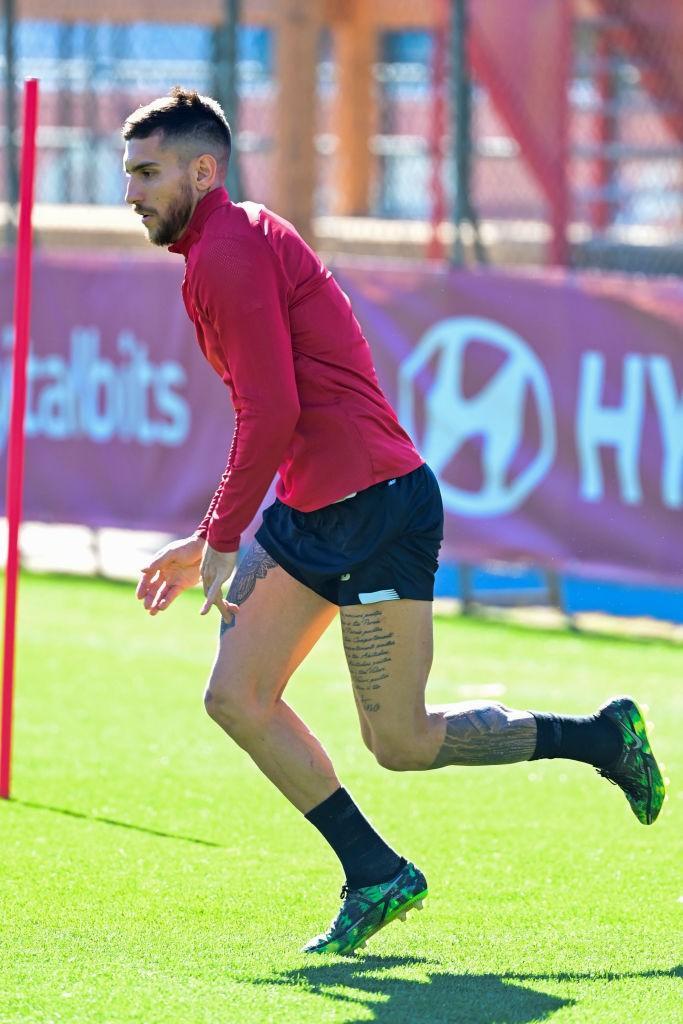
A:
[184,117]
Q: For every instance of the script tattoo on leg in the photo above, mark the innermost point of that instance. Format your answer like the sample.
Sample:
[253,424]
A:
[254,566]
[367,646]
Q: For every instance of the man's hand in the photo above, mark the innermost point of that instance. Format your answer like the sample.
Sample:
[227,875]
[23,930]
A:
[216,568]
[173,569]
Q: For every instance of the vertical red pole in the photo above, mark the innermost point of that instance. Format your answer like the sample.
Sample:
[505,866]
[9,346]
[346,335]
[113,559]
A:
[15,450]
[435,248]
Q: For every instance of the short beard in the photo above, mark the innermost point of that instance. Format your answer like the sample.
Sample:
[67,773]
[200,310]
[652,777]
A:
[173,225]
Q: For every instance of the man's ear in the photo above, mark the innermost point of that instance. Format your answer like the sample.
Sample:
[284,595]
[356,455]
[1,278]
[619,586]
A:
[205,172]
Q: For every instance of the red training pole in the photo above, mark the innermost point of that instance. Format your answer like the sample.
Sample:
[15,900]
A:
[15,449]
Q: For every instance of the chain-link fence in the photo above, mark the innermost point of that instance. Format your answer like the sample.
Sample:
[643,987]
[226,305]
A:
[627,135]
[522,133]
[93,74]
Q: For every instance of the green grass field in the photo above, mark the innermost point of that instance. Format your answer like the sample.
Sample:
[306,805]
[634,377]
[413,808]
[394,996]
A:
[150,874]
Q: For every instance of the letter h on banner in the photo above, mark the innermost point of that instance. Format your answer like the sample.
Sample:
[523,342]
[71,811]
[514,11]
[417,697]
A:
[619,427]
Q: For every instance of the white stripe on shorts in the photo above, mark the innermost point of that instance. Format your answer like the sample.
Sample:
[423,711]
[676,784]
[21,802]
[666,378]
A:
[378,595]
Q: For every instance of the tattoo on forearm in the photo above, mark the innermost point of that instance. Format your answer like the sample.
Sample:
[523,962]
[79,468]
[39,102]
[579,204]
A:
[483,733]
[367,646]
[254,566]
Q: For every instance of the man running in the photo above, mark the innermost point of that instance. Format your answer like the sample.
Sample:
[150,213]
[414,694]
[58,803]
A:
[355,529]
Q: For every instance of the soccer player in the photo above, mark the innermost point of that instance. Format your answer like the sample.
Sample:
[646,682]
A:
[355,528]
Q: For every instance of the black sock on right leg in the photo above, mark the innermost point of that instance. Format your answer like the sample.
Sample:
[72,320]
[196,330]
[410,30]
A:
[365,857]
[592,739]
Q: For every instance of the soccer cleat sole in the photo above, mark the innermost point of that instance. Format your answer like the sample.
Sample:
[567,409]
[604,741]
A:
[415,902]
[401,914]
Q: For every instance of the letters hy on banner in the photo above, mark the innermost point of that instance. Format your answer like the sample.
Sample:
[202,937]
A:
[621,426]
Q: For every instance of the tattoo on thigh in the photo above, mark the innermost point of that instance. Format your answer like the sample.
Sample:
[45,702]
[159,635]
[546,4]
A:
[367,646]
[225,626]
[254,566]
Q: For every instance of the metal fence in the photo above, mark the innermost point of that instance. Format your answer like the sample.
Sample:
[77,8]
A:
[93,75]
[453,156]
[627,138]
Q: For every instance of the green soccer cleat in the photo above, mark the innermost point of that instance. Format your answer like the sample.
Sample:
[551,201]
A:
[364,911]
[635,770]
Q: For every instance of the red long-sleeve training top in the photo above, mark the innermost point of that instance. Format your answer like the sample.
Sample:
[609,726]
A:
[277,328]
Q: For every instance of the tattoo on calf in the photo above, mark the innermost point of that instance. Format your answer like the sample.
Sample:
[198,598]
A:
[368,653]
[483,733]
[254,566]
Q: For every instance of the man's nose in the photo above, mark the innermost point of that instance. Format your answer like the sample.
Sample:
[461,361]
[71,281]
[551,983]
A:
[132,192]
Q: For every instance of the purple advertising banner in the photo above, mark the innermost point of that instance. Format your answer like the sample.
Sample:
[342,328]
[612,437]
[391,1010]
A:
[126,424]
[549,405]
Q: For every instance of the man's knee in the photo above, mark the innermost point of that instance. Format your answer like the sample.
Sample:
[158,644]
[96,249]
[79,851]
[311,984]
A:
[233,705]
[399,754]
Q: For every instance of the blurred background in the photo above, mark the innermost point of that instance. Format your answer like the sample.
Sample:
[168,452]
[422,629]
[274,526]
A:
[556,128]
[536,143]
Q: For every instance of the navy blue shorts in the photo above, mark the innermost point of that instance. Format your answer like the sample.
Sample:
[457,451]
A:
[380,545]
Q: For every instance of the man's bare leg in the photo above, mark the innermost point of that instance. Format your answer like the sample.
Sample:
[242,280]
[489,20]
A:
[278,623]
[389,649]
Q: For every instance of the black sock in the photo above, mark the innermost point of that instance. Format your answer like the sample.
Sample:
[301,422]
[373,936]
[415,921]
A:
[365,857]
[593,739]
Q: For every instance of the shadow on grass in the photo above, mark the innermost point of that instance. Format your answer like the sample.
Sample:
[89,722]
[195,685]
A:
[113,821]
[438,996]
